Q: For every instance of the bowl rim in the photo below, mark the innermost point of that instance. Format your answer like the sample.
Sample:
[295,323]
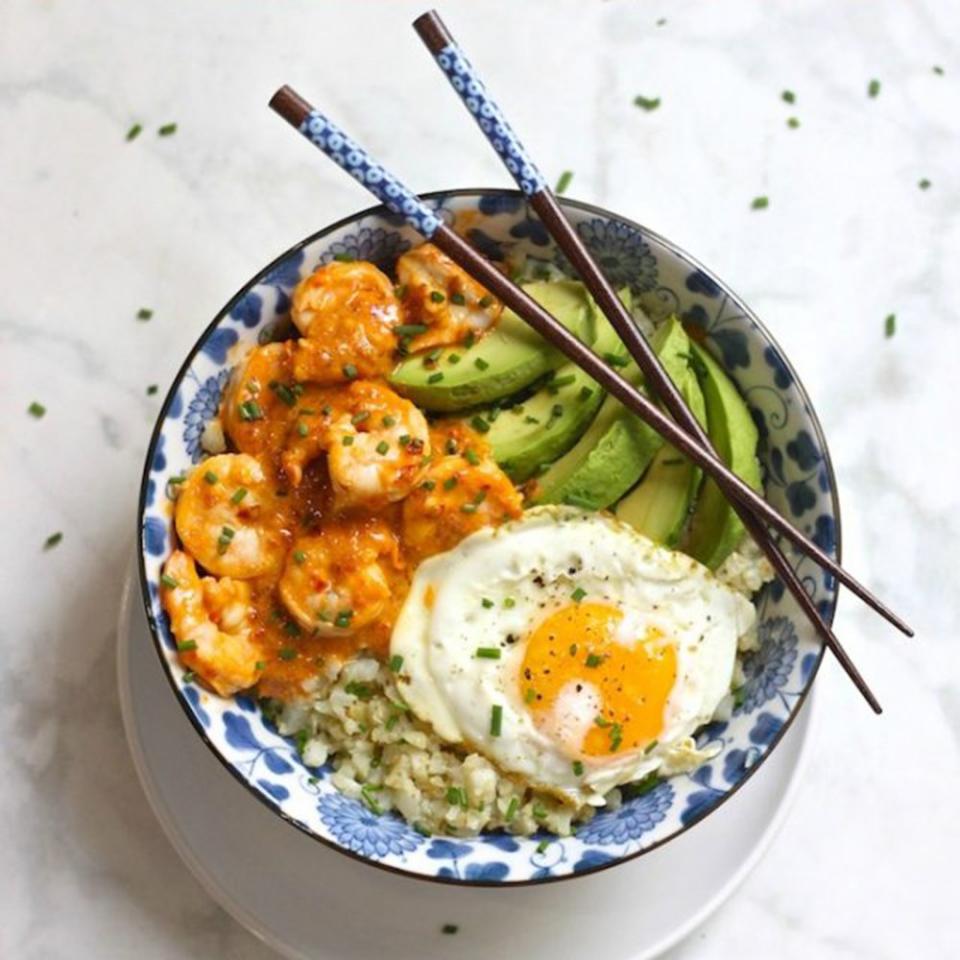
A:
[224,312]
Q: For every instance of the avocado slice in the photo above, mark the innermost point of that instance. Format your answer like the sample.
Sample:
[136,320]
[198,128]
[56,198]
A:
[617,447]
[715,529]
[659,506]
[507,359]
[548,424]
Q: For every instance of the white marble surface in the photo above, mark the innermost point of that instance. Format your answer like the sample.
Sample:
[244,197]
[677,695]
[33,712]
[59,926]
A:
[92,228]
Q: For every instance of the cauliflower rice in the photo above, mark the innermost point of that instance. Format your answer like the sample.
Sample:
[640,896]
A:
[382,755]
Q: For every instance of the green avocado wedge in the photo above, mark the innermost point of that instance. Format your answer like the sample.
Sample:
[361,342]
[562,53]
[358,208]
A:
[506,360]
[715,529]
[617,447]
[549,423]
[659,506]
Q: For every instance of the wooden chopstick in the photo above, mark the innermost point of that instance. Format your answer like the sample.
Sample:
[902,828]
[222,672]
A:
[351,157]
[440,42]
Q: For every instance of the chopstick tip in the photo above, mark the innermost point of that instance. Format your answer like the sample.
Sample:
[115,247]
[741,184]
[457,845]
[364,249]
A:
[289,105]
[432,31]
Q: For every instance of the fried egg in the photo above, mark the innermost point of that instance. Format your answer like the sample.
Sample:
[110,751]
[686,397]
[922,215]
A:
[569,649]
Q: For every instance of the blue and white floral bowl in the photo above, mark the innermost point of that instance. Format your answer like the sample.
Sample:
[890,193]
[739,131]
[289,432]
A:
[799,483]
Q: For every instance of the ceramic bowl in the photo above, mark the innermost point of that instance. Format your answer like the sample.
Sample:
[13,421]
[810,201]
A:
[799,483]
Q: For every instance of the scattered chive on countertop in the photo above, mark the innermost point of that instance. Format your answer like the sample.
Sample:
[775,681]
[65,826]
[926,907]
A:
[134,131]
[36,410]
[167,130]
[646,103]
[873,88]
[760,203]
[793,123]
[788,96]
[449,928]
[890,325]
[563,182]
[52,540]
[924,184]
[144,313]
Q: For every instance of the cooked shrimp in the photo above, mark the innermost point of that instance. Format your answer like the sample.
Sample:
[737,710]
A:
[259,399]
[439,295]
[461,492]
[339,579]
[212,621]
[377,447]
[228,517]
[309,434]
[347,313]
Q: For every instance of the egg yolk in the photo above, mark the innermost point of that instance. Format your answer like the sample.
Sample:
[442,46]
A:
[578,644]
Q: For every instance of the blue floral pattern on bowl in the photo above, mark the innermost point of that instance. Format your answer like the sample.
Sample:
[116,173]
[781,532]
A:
[799,483]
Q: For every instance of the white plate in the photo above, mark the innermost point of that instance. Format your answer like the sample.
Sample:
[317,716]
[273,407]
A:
[308,901]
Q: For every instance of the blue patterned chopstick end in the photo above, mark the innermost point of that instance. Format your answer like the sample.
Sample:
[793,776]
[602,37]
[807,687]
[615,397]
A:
[349,155]
[463,78]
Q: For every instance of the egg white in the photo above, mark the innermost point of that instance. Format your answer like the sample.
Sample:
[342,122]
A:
[525,570]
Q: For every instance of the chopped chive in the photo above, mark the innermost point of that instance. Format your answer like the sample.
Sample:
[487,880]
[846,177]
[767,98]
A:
[453,358]
[405,440]
[873,88]
[389,421]
[186,646]
[284,393]
[144,313]
[793,123]
[616,360]
[539,811]
[449,483]
[496,720]
[409,329]
[573,649]
[486,603]
[299,557]
[788,96]
[428,484]
[511,809]
[760,203]
[646,103]
[360,417]
[565,179]
[382,447]
[303,430]
[436,296]
[487,653]
[361,691]
[559,382]
[288,653]
[433,356]
[449,928]
[530,695]
[542,846]
[169,582]
[189,676]
[457,797]
[472,457]
[366,791]
[601,722]
[586,393]
[396,662]
[435,377]
[400,291]
[593,660]
[529,419]
[167,130]
[890,325]
[210,477]
[577,768]
[480,363]
[350,371]
[479,424]
[250,410]
[938,71]
[616,737]
[347,440]
[344,257]
[485,301]
[137,129]
[924,184]
[343,619]
[509,603]
[574,500]
[662,22]
[152,389]
[650,746]
[458,298]
[240,493]
[36,410]
[578,594]
[326,409]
